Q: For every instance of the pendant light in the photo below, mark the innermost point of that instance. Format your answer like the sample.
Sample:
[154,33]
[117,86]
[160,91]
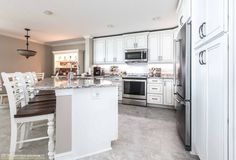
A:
[26,52]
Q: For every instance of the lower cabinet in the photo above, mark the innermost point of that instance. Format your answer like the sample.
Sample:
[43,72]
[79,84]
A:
[210,100]
[118,81]
[160,92]
[168,92]
[155,98]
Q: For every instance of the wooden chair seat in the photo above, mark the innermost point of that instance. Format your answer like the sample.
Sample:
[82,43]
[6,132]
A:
[43,103]
[35,110]
[46,98]
[45,92]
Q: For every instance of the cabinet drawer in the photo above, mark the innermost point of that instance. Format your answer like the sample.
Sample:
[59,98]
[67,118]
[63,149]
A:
[155,99]
[154,81]
[155,88]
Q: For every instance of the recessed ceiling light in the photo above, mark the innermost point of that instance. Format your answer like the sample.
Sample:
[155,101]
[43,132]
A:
[156,18]
[110,26]
[48,12]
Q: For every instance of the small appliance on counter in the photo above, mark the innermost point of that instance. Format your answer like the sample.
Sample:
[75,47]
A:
[97,71]
[154,72]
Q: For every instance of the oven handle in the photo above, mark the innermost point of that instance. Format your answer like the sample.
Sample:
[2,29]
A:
[135,80]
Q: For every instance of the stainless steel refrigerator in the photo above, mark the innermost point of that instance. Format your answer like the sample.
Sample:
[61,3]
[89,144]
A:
[183,84]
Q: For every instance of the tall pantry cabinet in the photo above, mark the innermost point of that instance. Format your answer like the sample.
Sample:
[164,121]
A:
[210,78]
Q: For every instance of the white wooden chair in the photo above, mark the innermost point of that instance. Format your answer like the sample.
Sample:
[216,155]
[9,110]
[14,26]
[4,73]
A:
[21,114]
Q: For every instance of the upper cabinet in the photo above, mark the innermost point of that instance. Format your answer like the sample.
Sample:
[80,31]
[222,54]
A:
[99,51]
[209,20]
[136,41]
[109,50]
[161,46]
[183,11]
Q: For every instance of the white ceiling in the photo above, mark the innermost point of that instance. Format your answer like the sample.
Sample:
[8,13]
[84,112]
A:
[78,18]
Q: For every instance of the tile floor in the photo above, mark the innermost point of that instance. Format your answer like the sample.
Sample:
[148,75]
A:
[144,134]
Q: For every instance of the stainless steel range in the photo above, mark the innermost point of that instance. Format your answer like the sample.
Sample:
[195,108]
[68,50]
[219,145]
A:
[134,91]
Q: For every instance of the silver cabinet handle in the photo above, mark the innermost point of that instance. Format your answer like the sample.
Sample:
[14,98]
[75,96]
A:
[203,29]
[200,57]
[203,61]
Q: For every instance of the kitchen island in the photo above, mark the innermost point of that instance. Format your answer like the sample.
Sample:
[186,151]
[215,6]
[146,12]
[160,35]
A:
[86,116]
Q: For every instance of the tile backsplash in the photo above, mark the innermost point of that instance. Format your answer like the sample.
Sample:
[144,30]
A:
[140,68]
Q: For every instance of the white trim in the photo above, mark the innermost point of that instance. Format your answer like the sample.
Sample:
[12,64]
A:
[232,78]
[71,156]
[66,51]
[56,44]
[62,156]
[22,38]
[91,154]
[179,5]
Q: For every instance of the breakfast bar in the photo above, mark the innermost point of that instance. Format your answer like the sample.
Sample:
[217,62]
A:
[86,116]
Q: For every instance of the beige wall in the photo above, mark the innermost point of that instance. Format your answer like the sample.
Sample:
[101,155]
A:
[80,47]
[11,61]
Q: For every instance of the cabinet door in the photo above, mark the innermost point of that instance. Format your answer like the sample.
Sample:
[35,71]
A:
[184,12]
[200,105]
[167,46]
[155,98]
[168,92]
[198,18]
[155,88]
[99,51]
[110,50]
[141,41]
[154,47]
[119,50]
[217,94]
[216,17]
[130,41]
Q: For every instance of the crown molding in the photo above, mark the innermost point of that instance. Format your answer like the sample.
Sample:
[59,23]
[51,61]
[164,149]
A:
[55,44]
[21,38]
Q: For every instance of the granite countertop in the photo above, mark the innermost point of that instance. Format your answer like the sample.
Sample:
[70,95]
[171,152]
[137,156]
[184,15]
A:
[62,83]
[163,77]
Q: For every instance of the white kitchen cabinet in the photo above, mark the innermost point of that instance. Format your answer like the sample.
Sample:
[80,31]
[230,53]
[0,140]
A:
[155,88]
[155,98]
[199,106]
[209,20]
[119,50]
[161,46]
[154,49]
[168,92]
[211,103]
[99,51]
[136,41]
[110,48]
[160,91]
[184,11]
[167,46]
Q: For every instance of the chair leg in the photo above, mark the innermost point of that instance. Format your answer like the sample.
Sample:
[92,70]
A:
[22,134]
[51,138]
[13,138]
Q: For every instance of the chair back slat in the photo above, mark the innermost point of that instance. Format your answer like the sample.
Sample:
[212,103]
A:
[15,91]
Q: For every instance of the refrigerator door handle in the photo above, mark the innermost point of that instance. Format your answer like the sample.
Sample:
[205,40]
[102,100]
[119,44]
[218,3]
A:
[177,49]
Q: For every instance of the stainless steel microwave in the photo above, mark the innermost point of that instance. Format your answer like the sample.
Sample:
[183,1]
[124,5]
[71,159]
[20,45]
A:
[140,55]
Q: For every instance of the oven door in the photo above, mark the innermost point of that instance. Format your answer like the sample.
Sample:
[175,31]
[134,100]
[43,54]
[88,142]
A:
[134,88]
[136,56]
